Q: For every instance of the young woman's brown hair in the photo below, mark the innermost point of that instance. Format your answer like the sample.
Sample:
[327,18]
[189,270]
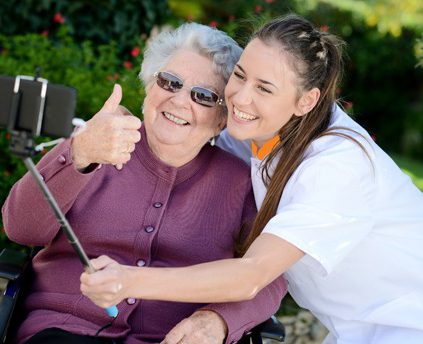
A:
[316,58]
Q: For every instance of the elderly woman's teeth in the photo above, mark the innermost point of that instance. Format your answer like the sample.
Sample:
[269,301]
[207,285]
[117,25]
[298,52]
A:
[174,119]
[243,116]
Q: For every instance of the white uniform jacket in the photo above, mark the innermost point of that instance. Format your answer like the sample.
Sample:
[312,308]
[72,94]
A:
[360,224]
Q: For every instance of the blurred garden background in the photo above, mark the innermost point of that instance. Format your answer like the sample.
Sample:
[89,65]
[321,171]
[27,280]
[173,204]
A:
[90,45]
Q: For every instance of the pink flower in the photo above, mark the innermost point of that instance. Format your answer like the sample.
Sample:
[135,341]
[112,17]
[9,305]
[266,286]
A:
[113,77]
[269,1]
[58,18]
[44,33]
[324,28]
[213,23]
[135,51]
[127,64]
[348,105]
[258,9]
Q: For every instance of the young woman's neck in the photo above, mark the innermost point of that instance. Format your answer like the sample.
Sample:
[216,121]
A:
[259,143]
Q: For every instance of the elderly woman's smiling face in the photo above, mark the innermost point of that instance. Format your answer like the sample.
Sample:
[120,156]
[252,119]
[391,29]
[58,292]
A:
[175,122]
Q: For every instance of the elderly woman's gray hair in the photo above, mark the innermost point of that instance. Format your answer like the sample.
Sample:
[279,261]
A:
[222,50]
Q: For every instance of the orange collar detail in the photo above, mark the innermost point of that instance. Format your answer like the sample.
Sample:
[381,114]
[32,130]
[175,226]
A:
[265,149]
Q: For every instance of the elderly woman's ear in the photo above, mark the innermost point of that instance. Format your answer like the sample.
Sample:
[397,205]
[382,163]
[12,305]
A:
[222,123]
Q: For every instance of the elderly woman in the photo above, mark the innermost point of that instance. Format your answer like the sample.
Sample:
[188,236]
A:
[177,201]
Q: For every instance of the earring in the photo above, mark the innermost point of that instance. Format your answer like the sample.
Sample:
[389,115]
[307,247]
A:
[212,141]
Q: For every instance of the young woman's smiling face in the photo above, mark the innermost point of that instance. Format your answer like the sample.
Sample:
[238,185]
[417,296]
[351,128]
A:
[262,93]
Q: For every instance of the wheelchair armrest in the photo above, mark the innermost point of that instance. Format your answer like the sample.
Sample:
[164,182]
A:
[271,329]
[12,267]
[12,264]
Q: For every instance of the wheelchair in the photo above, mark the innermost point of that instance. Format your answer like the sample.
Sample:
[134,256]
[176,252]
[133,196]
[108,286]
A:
[15,269]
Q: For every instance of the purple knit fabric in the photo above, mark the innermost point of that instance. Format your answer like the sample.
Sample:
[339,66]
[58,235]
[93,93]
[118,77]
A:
[148,213]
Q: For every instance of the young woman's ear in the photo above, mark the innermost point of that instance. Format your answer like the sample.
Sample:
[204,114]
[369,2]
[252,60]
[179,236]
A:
[308,101]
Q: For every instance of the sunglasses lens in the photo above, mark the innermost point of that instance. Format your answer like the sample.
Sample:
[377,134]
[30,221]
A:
[169,82]
[204,96]
[199,95]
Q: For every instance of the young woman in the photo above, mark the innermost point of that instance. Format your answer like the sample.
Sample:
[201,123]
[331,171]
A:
[336,215]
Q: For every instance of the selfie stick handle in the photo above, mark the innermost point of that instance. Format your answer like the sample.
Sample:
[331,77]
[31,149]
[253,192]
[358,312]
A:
[64,225]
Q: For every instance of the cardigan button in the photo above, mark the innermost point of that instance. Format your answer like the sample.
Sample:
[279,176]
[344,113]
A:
[149,229]
[157,205]
[140,262]
[62,159]
[131,301]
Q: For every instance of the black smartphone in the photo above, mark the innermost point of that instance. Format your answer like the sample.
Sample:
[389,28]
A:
[27,104]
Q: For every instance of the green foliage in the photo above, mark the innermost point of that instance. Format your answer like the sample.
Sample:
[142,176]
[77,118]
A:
[413,168]
[98,21]
[91,70]
[381,14]
[419,51]
[237,18]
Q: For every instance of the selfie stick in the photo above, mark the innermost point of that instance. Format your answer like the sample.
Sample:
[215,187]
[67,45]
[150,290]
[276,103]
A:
[64,225]
[22,144]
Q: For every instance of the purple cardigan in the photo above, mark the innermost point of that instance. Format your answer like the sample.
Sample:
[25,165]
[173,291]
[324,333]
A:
[148,214]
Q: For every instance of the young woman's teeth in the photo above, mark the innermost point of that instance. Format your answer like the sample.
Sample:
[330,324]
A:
[243,116]
[174,119]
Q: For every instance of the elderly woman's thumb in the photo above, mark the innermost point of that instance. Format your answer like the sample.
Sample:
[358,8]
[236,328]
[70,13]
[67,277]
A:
[114,100]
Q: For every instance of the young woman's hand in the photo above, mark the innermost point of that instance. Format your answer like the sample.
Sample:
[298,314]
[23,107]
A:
[109,285]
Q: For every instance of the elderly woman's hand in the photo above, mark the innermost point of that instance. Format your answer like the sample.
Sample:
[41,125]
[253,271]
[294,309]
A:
[108,285]
[109,137]
[202,327]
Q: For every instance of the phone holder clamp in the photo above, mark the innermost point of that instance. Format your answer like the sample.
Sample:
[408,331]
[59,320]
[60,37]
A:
[22,142]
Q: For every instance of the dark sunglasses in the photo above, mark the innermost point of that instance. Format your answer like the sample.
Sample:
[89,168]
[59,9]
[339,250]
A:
[199,95]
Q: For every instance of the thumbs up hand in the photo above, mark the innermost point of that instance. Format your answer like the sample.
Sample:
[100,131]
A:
[109,137]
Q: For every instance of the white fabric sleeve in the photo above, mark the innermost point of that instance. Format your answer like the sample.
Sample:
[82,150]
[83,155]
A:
[242,149]
[325,209]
